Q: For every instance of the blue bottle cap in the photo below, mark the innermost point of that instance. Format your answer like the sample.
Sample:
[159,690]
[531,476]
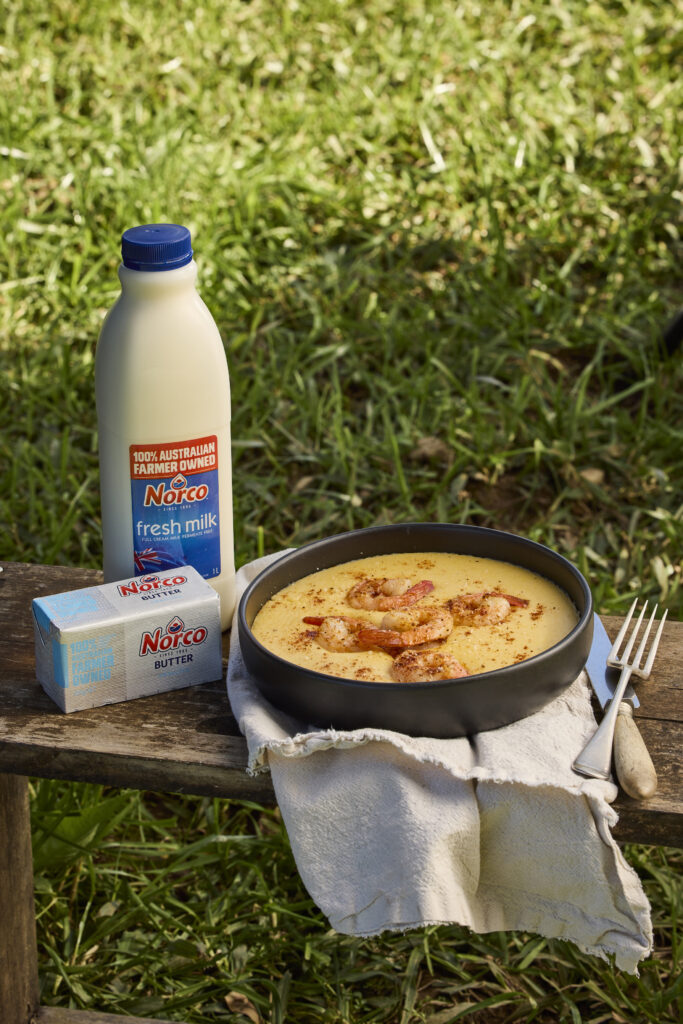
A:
[156,247]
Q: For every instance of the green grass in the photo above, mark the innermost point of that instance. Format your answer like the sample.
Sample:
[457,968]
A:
[441,242]
[209,890]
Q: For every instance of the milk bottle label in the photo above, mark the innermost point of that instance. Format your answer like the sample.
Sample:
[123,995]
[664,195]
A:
[174,488]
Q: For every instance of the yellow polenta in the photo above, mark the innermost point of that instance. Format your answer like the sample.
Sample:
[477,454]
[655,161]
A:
[547,618]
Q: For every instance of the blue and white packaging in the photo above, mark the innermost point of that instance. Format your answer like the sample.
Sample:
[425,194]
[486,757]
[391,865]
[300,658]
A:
[129,639]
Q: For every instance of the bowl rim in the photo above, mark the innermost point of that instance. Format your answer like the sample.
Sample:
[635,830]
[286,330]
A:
[514,669]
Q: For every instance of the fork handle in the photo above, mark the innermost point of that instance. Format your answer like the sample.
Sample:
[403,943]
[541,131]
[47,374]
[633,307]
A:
[595,759]
[632,761]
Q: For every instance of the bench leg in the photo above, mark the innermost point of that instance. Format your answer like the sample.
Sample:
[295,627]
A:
[19,993]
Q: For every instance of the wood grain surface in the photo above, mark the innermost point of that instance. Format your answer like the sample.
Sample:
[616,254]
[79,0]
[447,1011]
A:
[188,741]
[18,957]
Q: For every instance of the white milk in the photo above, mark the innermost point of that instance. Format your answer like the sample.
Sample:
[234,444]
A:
[163,410]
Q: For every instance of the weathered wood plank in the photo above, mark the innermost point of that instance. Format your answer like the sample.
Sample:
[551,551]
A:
[658,820]
[188,740]
[19,990]
[113,769]
[55,1015]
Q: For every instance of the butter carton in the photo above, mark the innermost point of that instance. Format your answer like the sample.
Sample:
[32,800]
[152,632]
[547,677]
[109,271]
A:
[118,641]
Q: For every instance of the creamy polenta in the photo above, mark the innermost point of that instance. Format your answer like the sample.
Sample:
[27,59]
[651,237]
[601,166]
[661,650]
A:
[479,645]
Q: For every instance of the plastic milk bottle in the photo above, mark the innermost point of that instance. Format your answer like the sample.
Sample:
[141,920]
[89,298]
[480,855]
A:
[163,410]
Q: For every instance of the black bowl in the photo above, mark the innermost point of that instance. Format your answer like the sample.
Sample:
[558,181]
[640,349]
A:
[446,708]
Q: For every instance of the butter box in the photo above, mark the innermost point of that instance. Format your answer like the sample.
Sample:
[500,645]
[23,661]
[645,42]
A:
[119,641]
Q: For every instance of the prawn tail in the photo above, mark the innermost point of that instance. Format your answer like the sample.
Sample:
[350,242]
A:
[384,638]
[520,602]
[313,620]
[417,592]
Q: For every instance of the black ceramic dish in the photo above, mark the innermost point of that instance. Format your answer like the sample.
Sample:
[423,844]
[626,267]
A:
[446,708]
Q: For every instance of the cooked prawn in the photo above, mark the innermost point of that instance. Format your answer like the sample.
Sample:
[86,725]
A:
[484,608]
[338,632]
[424,666]
[382,594]
[409,628]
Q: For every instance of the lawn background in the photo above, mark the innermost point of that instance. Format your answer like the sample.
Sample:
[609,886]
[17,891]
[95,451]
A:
[442,244]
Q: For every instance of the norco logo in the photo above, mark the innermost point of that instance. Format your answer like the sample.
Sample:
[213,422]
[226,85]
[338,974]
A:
[145,583]
[176,492]
[175,636]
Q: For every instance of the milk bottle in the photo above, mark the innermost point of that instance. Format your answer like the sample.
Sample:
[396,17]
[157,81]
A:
[163,410]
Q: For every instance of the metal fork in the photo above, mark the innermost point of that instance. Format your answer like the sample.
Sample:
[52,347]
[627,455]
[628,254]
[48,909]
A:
[596,757]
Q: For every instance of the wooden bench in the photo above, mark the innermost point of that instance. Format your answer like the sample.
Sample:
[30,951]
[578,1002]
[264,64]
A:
[187,741]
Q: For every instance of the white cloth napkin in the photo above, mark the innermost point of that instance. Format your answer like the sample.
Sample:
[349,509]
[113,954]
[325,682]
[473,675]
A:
[496,832]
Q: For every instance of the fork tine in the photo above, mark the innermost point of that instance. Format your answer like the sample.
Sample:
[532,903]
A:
[622,632]
[595,758]
[653,650]
[641,648]
[632,639]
